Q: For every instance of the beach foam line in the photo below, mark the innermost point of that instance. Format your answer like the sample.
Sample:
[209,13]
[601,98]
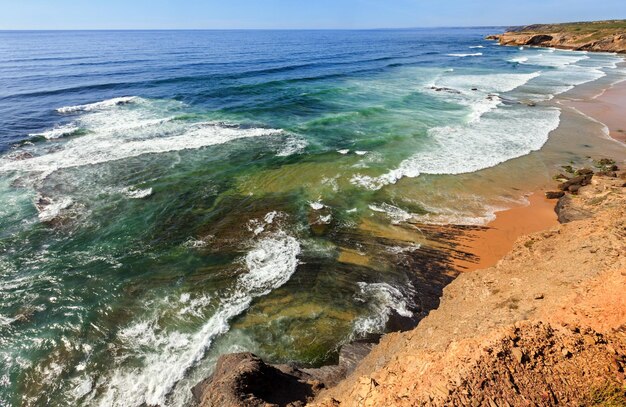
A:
[270,264]
[500,137]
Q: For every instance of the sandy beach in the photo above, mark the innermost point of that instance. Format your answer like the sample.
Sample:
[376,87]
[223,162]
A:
[489,245]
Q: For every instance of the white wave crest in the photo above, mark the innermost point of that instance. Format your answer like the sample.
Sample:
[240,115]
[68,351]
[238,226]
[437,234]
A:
[519,60]
[291,146]
[134,193]
[104,147]
[476,54]
[105,104]
[381,299]
[270,263]
[57,132]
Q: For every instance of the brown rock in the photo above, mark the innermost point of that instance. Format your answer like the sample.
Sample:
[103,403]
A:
[574,188]
[244,380]
[585,171]
[517,354]
[554,194]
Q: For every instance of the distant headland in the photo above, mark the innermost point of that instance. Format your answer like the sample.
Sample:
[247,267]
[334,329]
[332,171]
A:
[596,36]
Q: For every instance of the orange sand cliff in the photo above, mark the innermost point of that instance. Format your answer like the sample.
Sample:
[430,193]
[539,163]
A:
[547,325]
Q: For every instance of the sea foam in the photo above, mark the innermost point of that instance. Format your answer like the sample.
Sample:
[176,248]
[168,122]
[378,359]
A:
[382,299]
[167,356]
[116,132]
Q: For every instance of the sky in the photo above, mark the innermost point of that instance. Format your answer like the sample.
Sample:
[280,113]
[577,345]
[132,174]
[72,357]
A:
[299,14]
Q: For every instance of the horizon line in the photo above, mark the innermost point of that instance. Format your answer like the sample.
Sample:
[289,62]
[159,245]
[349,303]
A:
[257,29]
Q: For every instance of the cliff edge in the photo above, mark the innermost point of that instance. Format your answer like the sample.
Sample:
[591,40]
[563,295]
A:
[546,326]
[598,36]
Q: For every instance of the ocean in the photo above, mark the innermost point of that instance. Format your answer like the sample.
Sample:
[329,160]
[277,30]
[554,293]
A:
[170,196]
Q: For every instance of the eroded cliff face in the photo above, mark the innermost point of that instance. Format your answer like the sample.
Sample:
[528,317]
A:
[586,42]
[546,326]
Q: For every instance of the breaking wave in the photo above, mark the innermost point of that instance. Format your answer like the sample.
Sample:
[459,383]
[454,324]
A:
[117,132]
[270,264]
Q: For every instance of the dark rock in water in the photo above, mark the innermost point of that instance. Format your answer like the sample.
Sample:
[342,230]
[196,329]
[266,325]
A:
[438,89]
[529,103]
[554,194]
[243,379]
[320,220]
[19,156]
[604,162]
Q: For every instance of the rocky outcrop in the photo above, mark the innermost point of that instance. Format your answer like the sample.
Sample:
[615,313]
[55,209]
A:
[609,36]
[244,380]
[546,326]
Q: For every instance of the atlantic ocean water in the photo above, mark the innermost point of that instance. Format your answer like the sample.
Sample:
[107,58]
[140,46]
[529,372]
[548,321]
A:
[170,196]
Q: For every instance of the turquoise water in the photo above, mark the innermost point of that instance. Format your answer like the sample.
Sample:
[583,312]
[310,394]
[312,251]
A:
[171,196]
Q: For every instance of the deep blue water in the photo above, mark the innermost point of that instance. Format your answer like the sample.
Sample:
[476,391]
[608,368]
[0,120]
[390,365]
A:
[230,70]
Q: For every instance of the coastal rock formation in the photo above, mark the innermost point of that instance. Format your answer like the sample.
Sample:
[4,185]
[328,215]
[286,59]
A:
[244,380]
[546,326]
[601,36]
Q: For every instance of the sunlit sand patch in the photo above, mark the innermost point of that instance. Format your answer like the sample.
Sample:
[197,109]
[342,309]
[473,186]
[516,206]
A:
[406,233]
[349,256]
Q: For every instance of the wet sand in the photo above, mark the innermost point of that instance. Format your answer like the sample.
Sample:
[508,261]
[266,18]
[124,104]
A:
[489,245]
[609,108]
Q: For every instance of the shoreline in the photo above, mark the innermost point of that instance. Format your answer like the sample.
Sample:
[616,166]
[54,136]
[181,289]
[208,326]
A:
[607,108]
[535,324]
[489,246]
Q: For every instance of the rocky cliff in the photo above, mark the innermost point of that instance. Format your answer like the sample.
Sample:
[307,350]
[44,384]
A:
[601,36]
[546,326]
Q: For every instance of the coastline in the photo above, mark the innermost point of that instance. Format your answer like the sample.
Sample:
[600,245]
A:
[511,231]
[545,325]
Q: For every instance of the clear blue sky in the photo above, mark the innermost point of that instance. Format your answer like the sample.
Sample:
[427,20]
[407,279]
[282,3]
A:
[166,14]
